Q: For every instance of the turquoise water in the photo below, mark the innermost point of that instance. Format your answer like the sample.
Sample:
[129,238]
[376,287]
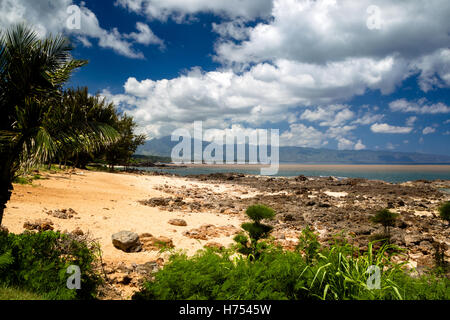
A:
[386,173]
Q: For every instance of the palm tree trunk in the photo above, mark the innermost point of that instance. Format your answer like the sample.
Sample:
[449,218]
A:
[6,188]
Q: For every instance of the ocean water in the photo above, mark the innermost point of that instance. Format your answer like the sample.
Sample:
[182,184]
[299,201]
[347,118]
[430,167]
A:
[388,173]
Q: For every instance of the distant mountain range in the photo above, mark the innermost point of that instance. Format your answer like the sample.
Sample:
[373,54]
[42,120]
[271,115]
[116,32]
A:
[163,147]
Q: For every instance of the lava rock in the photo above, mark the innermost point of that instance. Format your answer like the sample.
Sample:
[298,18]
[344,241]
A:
[126,241]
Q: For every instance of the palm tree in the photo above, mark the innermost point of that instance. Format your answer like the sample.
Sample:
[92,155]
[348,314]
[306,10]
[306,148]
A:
[32,129]
[79,107]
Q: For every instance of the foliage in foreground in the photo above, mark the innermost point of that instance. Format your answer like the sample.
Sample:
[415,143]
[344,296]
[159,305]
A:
[8,293]
[337,272]
[37,263]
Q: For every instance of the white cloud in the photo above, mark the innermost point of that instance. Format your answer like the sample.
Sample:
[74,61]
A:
[428,130]
[386,128]
[419,107]
[264,93]
[326,30]
[411,120]
[359,145]
[181,10]
[51,17]
[368,118]
[231,29]
[145,35]
[338,132]
[330,116]
[303,136]
[434,70]
[345,144]
[86,43]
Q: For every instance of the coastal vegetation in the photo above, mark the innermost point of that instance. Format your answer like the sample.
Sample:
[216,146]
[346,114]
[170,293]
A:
[338,271]
[387,219]
[37,263]
[256,230]
[10,293]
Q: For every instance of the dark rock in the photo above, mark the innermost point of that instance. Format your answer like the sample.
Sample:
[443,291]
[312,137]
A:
[288,217]
[178,222]
[126,241]
[40,225]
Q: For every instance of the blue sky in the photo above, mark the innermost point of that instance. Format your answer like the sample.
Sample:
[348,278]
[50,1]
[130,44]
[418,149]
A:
[344,74]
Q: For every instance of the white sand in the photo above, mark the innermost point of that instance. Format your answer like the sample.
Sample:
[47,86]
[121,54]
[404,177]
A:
[107,203]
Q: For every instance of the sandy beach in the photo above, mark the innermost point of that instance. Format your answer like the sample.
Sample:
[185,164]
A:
[108,203]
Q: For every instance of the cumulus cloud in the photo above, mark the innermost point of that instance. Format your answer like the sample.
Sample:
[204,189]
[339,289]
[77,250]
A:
[325,30]
[303,136]
[51,17]
[346,144]
[359,145]
[267,92]
[419,107]
[182,10]
[428,130]
[434,70]
[330,116]
[411,120]
[368,118]
[386,128]
[145,35]
[231,29]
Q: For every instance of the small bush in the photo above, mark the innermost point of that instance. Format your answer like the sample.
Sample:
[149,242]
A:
[256,231]
[37,262]
[386,218]
[308,244]
[444,211]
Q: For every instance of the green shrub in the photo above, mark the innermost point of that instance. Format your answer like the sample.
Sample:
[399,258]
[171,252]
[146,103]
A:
[336,273]
[308,244]
[386,218]
[444,211]
[22,180]
[255,230]
[38,262]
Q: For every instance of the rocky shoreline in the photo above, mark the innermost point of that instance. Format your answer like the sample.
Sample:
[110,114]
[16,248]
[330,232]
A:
[328,205]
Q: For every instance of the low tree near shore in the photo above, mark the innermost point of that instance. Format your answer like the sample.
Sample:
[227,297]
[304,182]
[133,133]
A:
[386,218]
[122,151]
[256,230]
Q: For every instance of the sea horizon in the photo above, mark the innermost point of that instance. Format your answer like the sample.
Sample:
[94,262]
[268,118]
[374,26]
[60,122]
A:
[395,173]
